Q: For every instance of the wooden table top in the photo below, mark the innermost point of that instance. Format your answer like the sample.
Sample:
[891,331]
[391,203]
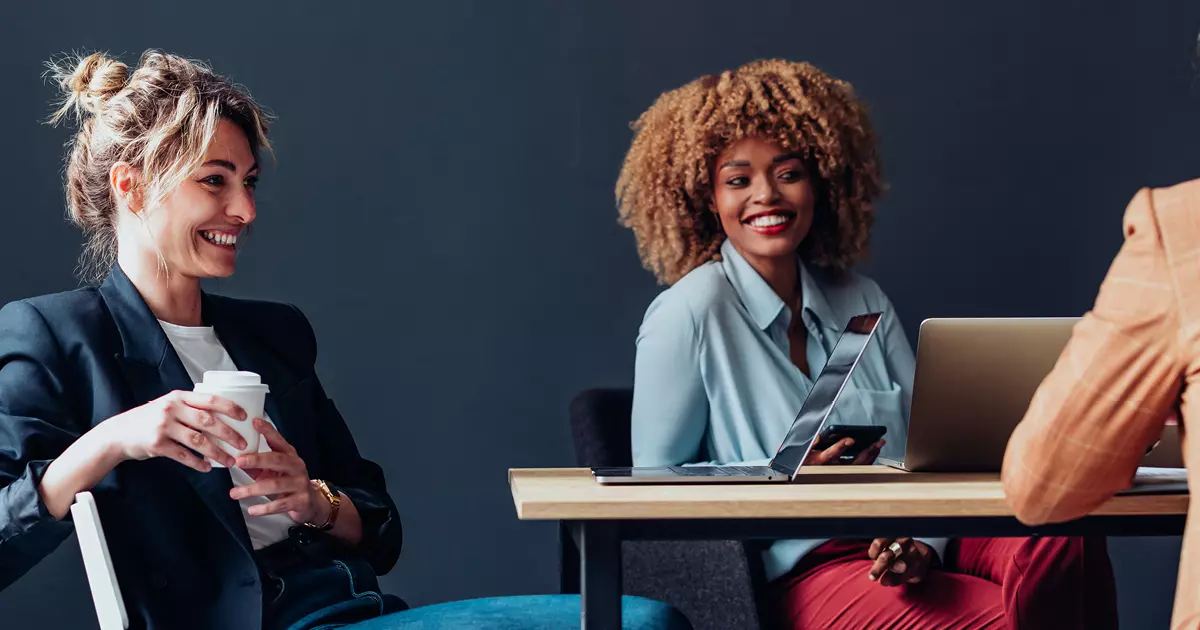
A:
[830,492]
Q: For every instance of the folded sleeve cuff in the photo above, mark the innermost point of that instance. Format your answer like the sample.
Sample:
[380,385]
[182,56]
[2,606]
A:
[382,536]
[23,505]
[28,531]
[938,545]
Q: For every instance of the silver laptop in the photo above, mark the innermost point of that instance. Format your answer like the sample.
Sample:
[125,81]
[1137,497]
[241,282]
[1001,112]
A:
[800,437]
[975,378]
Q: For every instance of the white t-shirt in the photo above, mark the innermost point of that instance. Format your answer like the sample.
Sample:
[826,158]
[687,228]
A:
[200,351]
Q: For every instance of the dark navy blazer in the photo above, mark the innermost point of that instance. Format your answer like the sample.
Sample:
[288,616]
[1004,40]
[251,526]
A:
[179,544]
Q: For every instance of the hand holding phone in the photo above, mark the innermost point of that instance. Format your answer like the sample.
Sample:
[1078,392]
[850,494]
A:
[862,437]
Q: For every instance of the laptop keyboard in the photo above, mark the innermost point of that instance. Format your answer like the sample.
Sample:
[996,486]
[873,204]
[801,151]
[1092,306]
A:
[722,471]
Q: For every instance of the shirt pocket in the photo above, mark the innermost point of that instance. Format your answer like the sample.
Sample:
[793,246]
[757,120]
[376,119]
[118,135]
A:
[887,408]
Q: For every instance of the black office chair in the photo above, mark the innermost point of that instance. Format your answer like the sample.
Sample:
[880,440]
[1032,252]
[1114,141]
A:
[715,583]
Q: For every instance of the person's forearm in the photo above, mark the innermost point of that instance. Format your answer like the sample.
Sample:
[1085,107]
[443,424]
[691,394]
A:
[80,467]
[1109,392]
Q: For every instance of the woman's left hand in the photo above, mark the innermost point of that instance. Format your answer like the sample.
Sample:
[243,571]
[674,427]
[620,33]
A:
[906,567]
[281,476]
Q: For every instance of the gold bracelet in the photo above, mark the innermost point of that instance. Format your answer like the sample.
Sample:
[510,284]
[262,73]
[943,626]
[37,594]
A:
[335,501]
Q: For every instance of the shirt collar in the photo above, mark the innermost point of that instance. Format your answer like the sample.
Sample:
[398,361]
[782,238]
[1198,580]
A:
[760,299]
[814,300]
[757,296]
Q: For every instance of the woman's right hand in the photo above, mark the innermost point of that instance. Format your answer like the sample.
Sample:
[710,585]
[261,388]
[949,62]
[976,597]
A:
[171,425]
[822,455]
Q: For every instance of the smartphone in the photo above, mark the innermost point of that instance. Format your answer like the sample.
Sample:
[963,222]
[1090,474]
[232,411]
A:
[863,436]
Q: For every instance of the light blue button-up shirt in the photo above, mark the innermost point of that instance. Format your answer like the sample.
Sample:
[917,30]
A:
[714,382]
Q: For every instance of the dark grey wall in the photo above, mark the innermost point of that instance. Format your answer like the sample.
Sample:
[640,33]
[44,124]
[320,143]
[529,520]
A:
[442,207]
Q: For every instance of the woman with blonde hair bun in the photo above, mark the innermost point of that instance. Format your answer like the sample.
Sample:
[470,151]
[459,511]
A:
[97,392]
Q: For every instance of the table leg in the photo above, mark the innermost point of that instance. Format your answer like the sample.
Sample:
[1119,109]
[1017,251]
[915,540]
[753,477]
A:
[568,561]
[600,574]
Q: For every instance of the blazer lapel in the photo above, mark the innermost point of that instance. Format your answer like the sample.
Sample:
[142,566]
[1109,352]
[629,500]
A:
[152,369]
[251,355]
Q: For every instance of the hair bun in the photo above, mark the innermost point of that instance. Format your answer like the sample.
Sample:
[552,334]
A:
[87,82]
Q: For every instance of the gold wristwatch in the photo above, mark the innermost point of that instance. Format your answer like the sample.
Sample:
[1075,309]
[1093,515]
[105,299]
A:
[335,501]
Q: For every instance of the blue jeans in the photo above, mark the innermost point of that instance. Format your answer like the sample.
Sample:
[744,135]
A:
[345,594]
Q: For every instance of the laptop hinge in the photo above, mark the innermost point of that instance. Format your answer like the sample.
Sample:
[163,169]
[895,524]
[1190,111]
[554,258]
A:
[781,469]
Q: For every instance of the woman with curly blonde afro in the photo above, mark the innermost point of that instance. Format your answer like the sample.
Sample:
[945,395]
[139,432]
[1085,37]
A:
[751,196]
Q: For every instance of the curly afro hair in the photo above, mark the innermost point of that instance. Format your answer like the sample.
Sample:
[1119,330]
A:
[664,192]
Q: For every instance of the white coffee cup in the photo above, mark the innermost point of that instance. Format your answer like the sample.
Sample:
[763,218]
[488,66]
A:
[247,390]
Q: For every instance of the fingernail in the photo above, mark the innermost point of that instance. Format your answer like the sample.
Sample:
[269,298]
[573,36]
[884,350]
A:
[899,567]
[849,442]
[872,576]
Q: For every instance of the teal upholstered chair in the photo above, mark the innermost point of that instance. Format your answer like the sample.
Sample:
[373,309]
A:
[529,612]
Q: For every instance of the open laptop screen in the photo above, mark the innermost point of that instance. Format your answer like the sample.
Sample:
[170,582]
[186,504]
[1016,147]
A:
[825,392]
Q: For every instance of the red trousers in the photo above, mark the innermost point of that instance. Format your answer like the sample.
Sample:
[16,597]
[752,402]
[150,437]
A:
[1015,583]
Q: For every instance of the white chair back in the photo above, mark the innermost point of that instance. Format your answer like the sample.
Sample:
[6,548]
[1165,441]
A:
[102,579]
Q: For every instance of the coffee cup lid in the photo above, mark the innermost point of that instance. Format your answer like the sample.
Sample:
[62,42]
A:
[229,378]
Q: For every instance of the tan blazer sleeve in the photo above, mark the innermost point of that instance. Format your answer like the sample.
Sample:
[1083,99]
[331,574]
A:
[1110,392]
